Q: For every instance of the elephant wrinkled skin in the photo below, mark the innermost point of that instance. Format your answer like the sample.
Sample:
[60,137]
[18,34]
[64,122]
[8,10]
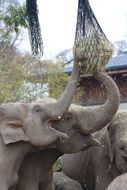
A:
[63,182]
[36,170]
[23,126]
[98,166]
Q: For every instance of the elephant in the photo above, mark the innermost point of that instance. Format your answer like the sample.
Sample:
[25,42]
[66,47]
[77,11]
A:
[63,182]
[97,167]
[79,137]
[24,126]
[119,183]
[36,170]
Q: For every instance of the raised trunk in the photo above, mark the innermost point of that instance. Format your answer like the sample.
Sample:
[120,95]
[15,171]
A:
[59,108]
[101,116]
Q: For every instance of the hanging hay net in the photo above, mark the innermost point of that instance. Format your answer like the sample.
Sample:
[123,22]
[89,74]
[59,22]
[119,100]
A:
[34,28]
[91,47]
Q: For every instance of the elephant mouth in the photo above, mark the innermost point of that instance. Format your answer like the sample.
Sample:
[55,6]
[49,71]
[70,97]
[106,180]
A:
[50,125]
[61,135]
[54,127]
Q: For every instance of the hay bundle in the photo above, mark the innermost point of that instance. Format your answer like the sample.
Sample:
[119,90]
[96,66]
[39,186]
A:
[92,50]
[93,53]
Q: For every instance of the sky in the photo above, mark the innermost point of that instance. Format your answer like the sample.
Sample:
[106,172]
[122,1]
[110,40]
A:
[58,23]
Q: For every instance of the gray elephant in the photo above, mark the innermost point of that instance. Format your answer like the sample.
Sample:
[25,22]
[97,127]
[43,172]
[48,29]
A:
[36,170]
[63,182]
[79,137]
[23,126]
[98,166]
[119,183]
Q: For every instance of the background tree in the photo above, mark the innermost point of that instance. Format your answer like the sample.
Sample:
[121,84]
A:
[12,19]
[24,78]
[11,80]
[57,81]
[121,46]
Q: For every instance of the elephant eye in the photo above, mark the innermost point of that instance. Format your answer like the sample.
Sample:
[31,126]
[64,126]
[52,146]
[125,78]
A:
[37,109]
[68,118]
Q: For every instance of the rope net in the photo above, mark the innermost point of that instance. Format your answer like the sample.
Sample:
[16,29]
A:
[91,47]
[34,27]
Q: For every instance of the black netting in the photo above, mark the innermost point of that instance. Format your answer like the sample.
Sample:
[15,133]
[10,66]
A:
[34,27]
[91,47]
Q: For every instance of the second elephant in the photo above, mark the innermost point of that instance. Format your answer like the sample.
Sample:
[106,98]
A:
[97,167]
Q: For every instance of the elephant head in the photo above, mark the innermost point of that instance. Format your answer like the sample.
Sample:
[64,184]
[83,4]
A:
[32,122]
[118,140]
[80,121]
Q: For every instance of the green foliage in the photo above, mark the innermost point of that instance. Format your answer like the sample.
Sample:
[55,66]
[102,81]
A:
[57,166]
[57,80]
[11,81]
[25,78]
[15,17]
[12,17]
[28,79]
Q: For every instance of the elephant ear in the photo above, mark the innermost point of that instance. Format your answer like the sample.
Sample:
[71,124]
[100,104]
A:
[12,131]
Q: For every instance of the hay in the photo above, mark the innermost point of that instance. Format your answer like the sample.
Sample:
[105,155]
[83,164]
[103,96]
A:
[93,53]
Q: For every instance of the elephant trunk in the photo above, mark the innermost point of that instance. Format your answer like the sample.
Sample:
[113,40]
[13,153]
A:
[99,117]
[59,108]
